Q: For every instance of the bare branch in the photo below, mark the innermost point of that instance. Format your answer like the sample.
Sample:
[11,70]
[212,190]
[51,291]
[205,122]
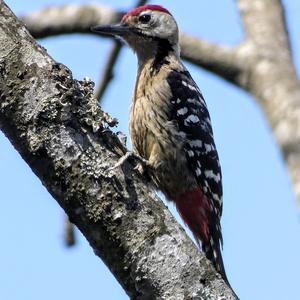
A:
[264,24]
[63,20]
[108,70]
[69,232]
[71,18]
[219,60]
[271,76]
[55,123]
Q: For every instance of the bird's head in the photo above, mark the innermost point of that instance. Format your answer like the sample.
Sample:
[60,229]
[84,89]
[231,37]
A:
[145,28]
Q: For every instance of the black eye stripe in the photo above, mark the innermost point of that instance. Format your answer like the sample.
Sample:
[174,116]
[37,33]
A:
[145,18]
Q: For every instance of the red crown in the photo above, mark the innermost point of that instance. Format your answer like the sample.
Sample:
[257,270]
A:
[136,11]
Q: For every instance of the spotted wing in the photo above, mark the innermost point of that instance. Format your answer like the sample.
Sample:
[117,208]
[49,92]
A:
[190,112]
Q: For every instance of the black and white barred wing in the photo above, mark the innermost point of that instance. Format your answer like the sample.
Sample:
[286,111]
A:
[190,112]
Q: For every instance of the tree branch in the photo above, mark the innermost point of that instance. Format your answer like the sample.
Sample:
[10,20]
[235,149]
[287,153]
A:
[63,20]
[108,75]
[264,24]
[56,125]
[69,232]
[71,18]
[271,76]
[214,58]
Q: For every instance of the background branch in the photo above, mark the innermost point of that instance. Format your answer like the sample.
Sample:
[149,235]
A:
[214,58]
[57,126]
[71,18]
[69,232]
[108,75]
[63,20]
[271,76]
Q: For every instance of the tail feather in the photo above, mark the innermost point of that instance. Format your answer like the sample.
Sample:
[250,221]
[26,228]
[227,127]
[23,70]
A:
[197,213]
[212,251]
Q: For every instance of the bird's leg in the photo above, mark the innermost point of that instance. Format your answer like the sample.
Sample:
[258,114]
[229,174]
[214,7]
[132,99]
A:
[142,165]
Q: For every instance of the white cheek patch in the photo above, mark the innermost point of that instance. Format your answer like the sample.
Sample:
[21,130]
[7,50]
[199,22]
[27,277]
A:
[164,25]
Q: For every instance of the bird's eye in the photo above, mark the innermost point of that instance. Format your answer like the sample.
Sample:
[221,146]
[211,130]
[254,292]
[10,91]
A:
[145,18]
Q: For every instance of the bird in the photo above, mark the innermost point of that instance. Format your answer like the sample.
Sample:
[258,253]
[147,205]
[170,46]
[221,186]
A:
[170,125]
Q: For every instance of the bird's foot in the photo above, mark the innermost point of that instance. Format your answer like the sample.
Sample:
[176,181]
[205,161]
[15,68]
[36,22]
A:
[141,166]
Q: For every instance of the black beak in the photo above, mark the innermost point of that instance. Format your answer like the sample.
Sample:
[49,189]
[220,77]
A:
[118,29]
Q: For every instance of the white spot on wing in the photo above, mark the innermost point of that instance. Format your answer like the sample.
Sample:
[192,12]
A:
[191,153]
[212,175]
[191,87]
[208,147]
[198,172]
[182,111]
[195,143]
[191,119]
[217,198]
[193,101]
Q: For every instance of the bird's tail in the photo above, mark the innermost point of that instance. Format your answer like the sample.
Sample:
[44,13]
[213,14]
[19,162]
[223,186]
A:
[197,213]
[212,251]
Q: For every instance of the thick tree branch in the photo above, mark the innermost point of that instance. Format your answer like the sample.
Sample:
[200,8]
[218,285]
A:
[261,64]
[271,76]
[56,125]
[214,58]
[71,18]
[264,24]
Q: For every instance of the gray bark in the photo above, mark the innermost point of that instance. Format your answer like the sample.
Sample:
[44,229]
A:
[261,64]
[56,125]
[271,76]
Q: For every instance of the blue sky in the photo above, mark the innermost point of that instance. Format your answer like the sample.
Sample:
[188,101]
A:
[261,225]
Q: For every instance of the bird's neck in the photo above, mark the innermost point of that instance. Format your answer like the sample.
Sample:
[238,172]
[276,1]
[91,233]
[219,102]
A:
[157,53]
[153,71]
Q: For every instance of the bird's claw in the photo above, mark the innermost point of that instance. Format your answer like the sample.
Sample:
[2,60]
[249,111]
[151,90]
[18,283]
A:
[143,163]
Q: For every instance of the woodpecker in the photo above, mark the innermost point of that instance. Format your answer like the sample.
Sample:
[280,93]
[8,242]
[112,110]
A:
[170,125]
